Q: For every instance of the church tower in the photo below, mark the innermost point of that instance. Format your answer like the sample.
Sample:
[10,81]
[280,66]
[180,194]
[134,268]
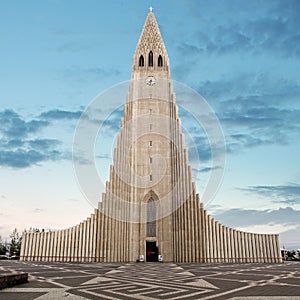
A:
[150,206]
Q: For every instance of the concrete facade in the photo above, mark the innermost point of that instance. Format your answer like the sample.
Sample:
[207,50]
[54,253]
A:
[150,206]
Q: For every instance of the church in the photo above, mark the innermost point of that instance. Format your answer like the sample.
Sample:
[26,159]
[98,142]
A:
[150,209]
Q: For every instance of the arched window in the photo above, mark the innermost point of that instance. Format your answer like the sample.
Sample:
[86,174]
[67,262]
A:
[160,61]
[141,61]
[151,218]
[150,59]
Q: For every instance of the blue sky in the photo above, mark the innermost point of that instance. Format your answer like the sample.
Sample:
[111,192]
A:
[241,56]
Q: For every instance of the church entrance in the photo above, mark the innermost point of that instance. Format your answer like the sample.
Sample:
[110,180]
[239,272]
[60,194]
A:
[151,251]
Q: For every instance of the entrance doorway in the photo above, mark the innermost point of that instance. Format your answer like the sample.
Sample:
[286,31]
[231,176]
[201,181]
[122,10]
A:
[151,251]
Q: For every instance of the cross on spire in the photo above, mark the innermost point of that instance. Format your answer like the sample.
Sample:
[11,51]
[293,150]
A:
[151,9]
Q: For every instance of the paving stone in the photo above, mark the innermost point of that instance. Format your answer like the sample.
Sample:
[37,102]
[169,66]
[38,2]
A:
[155,281]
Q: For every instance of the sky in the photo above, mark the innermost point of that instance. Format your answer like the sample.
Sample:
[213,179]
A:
[241,56]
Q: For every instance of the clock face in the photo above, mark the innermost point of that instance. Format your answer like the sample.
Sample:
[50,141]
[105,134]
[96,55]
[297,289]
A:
[150,80]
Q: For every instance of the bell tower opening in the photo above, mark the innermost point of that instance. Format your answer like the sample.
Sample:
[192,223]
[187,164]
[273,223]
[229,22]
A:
[141,61]
[160,61]
[150,59]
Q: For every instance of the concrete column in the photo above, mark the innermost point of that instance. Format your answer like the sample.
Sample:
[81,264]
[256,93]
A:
[100,231]
[205,236]
[89,232]
[250,247]
[272,253]
[210,240]
[221,243]
[38,245]
[46,248]
[89,238]
[255,248]
[232,252]
[23,247]
[263,247]
[76,252]
[243,248]
[259,250]
[68,244]
[73,244]
[84,241]
[41,246]
[225,242]
[65,244]
[55,246]
[240,246]
[277,248]
[95,237]
[51,242]
[267,248]
[34,246]
[236,247]
[196,224]
[218,254]
[271,248]
[80,242]
[28,248]
[214,241]
[60,246]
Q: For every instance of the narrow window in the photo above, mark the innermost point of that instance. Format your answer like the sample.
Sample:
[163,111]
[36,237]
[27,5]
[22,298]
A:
[141,61]
[150,160]
[151,218]
[150,143]
[150,177]
[160,61]
[150,111]
[150,59]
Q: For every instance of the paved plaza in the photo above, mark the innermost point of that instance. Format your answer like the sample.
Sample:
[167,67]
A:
[154,281]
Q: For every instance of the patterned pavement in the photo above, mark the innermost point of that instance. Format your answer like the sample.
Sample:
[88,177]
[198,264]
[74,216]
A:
[154,281]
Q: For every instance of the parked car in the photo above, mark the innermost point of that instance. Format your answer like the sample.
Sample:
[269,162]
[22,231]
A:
[4,257]
[15,257]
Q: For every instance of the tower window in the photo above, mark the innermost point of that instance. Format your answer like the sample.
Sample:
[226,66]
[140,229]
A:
[150,143]
[141,61]
[151,218]
[150,59]
[150,111]
[150,177]
[150,160]
[160,61]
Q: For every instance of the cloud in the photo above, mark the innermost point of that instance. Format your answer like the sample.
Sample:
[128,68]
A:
[287,194]
[56,114]
[290,239]
[22,158]
[256,28]
[12,125]
[206,169]
[249,217]
[21,144]
[254,111]
[104,156]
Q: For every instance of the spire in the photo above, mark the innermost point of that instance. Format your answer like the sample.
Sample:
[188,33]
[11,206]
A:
[151,41]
